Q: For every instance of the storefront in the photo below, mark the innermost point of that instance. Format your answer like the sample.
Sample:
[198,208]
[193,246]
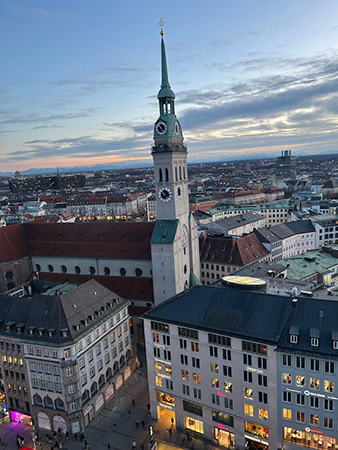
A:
[166,406]
[22,418]
[224,437]
[311,438]
[256,436]
[194,425]
[88,414]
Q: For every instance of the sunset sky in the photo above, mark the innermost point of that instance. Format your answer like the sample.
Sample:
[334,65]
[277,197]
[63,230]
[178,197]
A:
[79,79]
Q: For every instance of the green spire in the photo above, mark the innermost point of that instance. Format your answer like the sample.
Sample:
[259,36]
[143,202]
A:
[165,91]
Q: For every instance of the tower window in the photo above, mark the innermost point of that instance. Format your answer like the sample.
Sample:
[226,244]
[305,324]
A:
[160,175]
[183,173]
[164,108]
[168,107]
[166,174]
[176,174]
[180,170]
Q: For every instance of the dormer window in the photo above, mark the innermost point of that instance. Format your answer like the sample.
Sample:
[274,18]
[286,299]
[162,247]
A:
[293,338]
[294,333]
[335,345]
[84,321]
[31,330]
[314,342]
[64,332]
[314,337]
[51,332]
[91,316]
[77,327]
[41,331]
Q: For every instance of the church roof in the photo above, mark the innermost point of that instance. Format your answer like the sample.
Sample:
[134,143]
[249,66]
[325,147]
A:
[12,243]
[94,239]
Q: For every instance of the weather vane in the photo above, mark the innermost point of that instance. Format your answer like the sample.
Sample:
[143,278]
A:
[161,24]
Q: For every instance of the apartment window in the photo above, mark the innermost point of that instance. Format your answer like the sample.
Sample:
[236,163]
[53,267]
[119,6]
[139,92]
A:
[185,389]
[167,355]
[214,367]
[226,354]
[228,403]
[328,405]
[314,402]
[40,368]
[196,378]
[184,360]
[300,417]
[227,371]
[158,367]
[263,414]
[300,399]
[263,397]
[58,387]
[195,347]
[287,360]
[69,371]
[213,351]
[328,422]
[198,393]
[248,410]
[314,365]
[328,386]
[156,338]
[247,359]
[329,367]
[215,383]
[215,399]
[158,381]
[287,397]
[227,386]
[71,388]
[168,370]
[314,383]
[247,376]
[195,362]
[56,370]
[185,375]
[287,414]
[166,339]
[314,420]
[287,379]
[300,362]
[248,393]
[73,406]
[300,380]
[262,363]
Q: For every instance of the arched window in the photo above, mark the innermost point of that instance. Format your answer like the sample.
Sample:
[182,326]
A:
[106,271]
[37,400]
[59,404]
[93,388]
[122,361]
[185,268]
[101,381]
[64,269]
[92,270]
[138,272]
[85,397]
[9,275]
[168,108]
[77,269]
[176,174]
[50,268]
[160,175]
[128,355]
[183,173]
[116,367]
[180,171]
[109,374]
[164,108]
[123,271]
[38,267]
[48,402]
[166,174]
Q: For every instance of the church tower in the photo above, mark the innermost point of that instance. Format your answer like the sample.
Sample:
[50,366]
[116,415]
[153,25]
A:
[174,244]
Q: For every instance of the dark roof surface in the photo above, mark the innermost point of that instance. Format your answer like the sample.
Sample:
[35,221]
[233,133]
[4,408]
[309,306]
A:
[12,243]
[227,311]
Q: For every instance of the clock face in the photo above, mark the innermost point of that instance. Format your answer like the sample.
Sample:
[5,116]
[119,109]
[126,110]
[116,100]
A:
[165,194]
[161,128]
[177,128]
[179,191]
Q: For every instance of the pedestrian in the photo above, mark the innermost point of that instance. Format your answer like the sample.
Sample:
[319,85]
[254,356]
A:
[82,437]
[75,436]
[137,423]
[88,447]
[133,402]
[67,435]
[108,446]
[167,433]
[172,421]
[60,445]
[143,424]
[129,412]
[86,443]
[133,445]
[170,431]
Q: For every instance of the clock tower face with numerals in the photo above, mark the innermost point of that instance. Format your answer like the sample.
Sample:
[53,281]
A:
[172,264]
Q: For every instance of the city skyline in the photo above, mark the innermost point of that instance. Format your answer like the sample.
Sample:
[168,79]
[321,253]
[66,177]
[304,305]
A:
[79,80]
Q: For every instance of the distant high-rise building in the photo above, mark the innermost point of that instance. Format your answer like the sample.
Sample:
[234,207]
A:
[286,165]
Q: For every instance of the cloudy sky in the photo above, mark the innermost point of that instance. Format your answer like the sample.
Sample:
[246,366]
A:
[79,78]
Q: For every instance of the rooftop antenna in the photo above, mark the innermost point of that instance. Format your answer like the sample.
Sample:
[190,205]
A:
[161,24]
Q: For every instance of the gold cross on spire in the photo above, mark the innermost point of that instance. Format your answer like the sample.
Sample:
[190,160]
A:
[161,24]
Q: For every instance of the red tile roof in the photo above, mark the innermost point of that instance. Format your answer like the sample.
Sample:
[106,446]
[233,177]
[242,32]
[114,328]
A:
[12,243]
[236,252]
[131,288]
[93,239]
